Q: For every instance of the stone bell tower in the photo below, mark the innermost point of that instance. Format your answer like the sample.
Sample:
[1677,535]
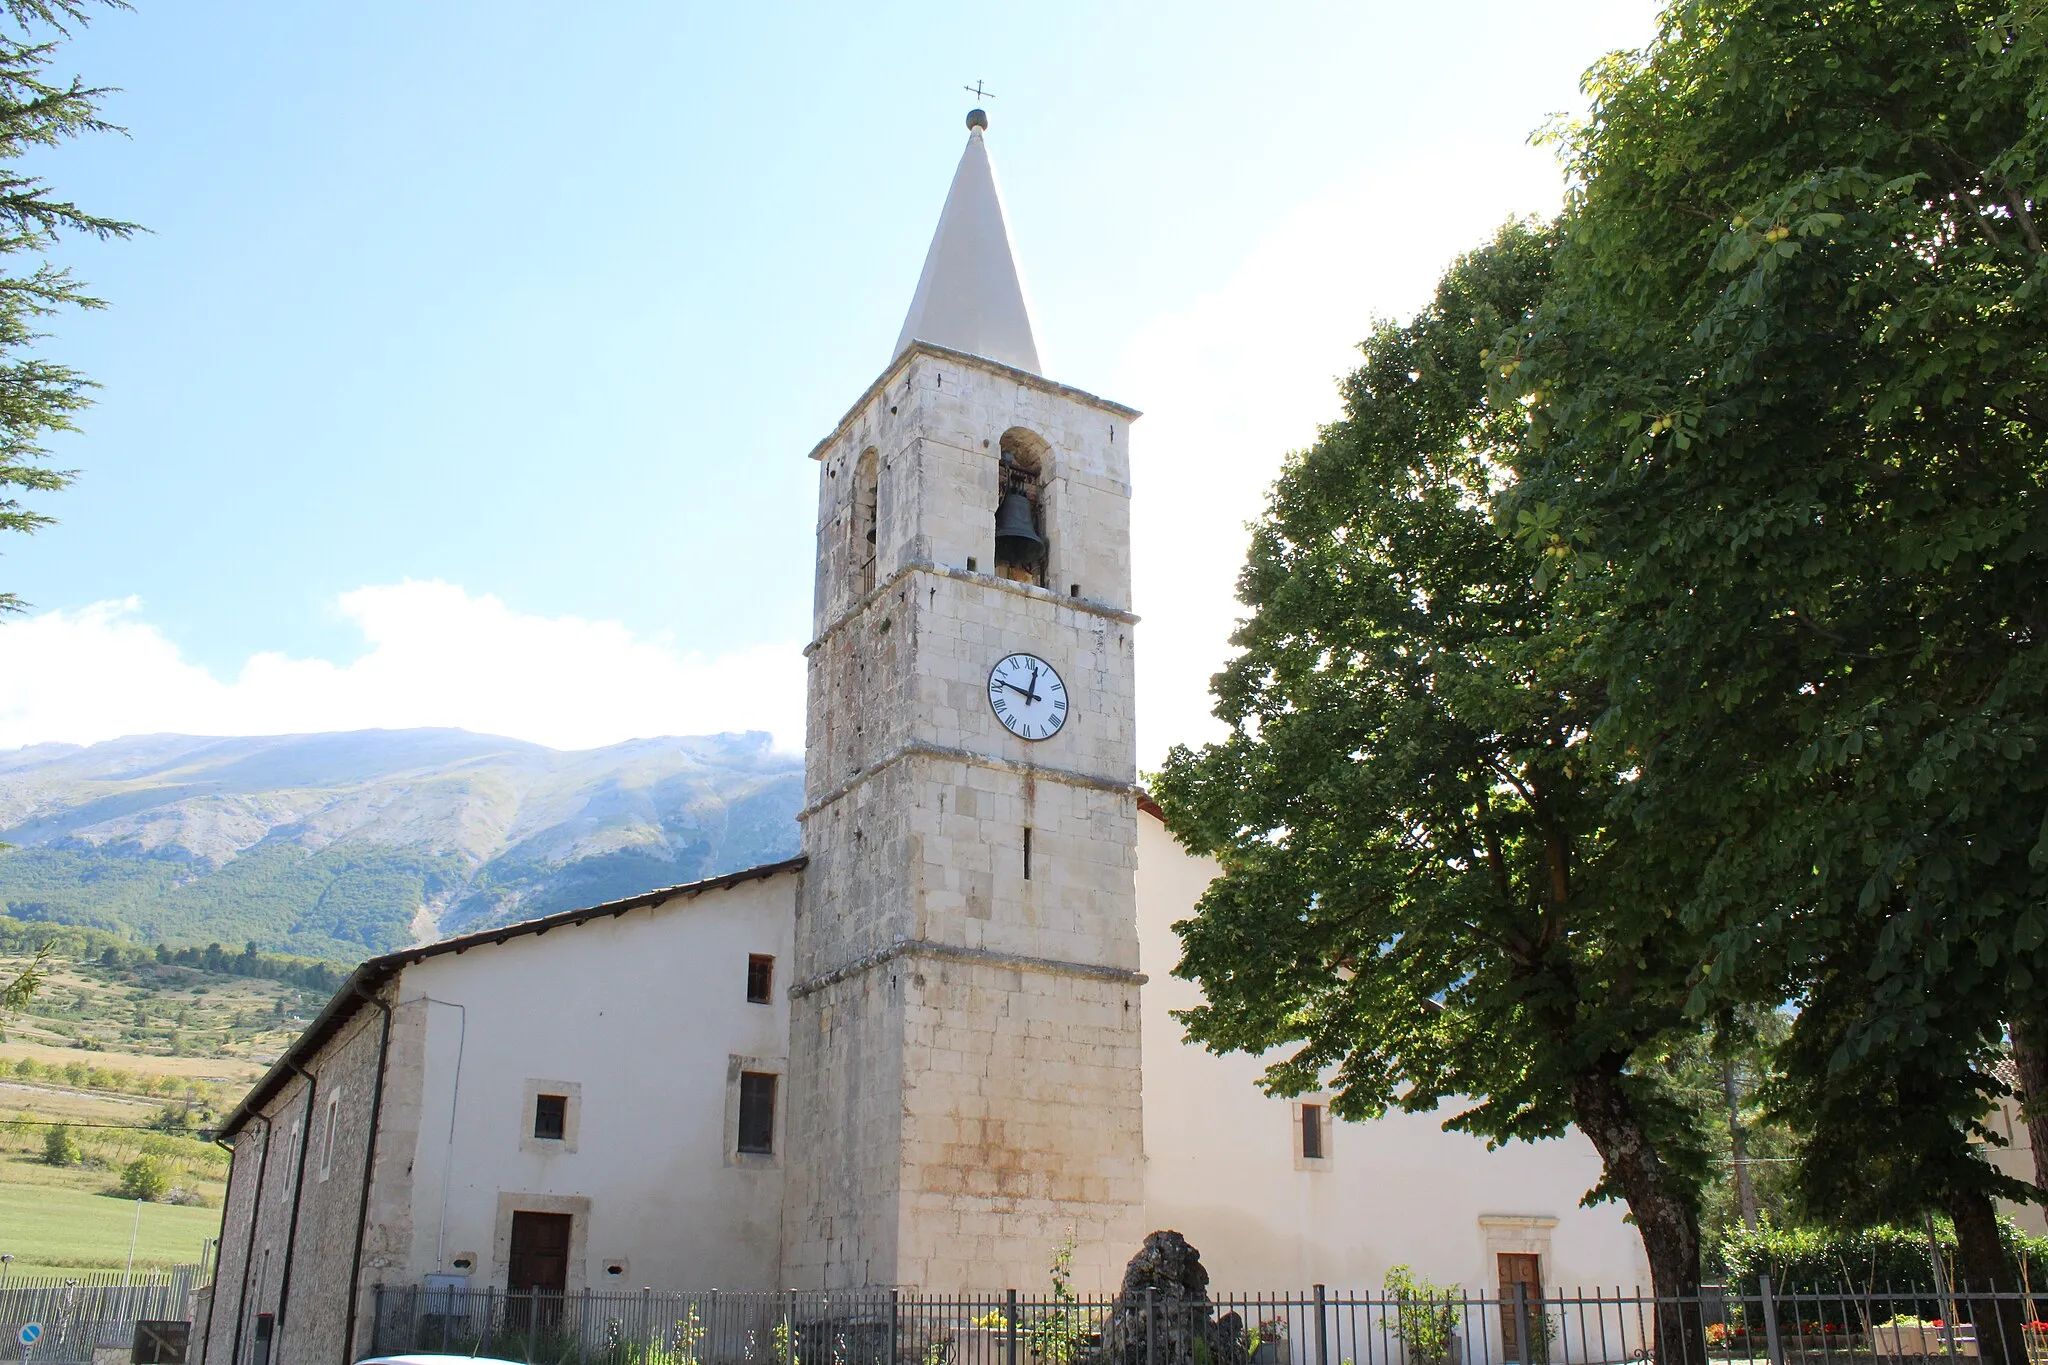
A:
[964,1067]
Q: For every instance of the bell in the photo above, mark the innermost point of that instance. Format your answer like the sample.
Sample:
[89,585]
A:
[1017,540]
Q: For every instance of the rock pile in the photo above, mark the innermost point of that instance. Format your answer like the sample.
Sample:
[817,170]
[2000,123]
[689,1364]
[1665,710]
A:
[1162,1314]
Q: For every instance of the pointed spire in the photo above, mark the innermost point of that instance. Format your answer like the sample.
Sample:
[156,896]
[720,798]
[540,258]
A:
[969,297]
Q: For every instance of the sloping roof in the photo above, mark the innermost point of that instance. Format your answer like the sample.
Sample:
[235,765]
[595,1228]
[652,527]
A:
[969,297]
[365,980]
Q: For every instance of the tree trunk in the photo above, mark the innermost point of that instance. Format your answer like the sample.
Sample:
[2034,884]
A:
[2031,1061]
[1666,1217]
[1980,1267]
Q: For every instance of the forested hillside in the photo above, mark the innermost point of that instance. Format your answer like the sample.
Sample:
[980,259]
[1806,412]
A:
[341,845]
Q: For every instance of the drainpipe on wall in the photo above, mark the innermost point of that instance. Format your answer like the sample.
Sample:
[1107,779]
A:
[249,1251]
[291,1236]
[355,1265]
[448,1151]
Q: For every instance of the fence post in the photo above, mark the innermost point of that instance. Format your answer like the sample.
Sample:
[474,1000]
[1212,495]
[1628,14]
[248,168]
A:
[895,1323]
[1148,1325]
[786,1352]
[1770,1305]
[1322,1326]
[1522,1352]
[1010,1315]
[583,1327]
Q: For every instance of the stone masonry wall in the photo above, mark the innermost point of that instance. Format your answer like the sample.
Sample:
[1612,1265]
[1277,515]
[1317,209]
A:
[319,1133]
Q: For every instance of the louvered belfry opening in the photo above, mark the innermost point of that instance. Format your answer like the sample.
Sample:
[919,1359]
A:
[1022,547]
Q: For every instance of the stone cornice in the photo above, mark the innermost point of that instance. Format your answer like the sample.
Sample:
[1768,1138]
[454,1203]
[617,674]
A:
[920,749]
[1029,591]
[918,947]
[995,367]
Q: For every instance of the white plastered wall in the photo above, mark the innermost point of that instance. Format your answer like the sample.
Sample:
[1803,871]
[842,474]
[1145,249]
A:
[637,1018]
[1223,1168]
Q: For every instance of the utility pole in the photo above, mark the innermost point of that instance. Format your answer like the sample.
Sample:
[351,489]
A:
[133,1233]
[1738,1145]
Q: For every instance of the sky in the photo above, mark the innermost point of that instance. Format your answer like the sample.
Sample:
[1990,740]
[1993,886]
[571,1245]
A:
[467,371]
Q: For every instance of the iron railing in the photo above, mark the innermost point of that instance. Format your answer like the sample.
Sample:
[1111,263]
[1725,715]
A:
[1868,1326]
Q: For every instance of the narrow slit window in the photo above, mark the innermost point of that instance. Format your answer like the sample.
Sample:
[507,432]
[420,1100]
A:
[327,1145]
[760,978]
[1312,1132]
[550,1116]
[757,1113]
[1027,853]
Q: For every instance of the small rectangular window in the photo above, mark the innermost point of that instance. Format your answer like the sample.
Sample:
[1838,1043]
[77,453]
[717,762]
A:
[760,978]
[1312,1132]
[1027,853]
[757,1113]
[327,1144]
[550,1116]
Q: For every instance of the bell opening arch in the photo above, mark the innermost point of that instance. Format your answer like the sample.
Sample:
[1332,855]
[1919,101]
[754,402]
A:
[1023,548]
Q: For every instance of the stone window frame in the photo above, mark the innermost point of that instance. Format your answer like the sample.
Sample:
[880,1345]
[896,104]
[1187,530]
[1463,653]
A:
[1327,1123]
[572,1117]
[329,1137]
[777,1067]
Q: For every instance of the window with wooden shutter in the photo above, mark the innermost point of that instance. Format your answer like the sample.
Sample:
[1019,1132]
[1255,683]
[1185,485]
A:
[757,1113]
[760,978]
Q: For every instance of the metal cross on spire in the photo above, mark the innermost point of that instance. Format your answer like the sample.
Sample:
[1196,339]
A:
[978,93]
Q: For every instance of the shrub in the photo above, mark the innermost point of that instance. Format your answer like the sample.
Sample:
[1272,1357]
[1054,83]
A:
[146,1177]
[1867,1260]
[1424,1317]
[60,1148]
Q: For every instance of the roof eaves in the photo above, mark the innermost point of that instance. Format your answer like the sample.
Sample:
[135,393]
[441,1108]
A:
[374,972]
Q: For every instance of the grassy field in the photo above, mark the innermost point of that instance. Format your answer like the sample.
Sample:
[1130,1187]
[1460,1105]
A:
[119,1056]
[52,1229]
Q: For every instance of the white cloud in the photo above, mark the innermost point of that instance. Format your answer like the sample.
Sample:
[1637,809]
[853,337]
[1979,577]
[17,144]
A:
[436,656]
[1247,373]
[1230,384]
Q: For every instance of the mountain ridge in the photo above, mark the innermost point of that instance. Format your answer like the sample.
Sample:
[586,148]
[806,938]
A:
[335,844]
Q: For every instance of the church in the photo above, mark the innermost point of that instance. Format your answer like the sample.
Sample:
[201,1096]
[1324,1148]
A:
[936,1045]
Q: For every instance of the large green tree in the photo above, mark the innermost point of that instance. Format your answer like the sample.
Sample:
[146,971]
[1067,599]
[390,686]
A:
[38,396]
[1789,408]
[1422,896]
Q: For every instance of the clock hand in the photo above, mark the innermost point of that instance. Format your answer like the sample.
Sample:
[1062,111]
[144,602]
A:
[1018,690]
[1033,694]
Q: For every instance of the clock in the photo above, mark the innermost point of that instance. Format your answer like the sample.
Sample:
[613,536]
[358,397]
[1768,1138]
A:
[1027,696]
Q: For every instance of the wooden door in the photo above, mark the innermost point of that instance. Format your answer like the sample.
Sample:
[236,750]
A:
[1521,1299]
[539,1268]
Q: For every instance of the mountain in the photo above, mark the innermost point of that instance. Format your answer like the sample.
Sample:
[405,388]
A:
[341,845]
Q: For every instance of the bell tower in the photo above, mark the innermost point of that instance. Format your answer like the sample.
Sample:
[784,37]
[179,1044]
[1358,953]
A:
[964,1079]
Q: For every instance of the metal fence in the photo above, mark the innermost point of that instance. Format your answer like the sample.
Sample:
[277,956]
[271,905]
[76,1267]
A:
[882,1327]
[89,1310]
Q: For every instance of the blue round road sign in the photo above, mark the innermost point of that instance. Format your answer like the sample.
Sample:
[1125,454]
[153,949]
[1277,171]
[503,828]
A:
[30,1333]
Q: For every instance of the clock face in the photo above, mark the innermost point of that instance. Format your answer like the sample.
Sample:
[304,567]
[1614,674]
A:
[1027,696]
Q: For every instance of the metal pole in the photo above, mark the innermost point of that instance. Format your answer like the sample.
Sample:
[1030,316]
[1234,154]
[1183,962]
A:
[1770,1306]
[133,1233]
[1522,1323]
[1322,1326]
[1942,1286]
[1148,1326]
[1011,1316]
